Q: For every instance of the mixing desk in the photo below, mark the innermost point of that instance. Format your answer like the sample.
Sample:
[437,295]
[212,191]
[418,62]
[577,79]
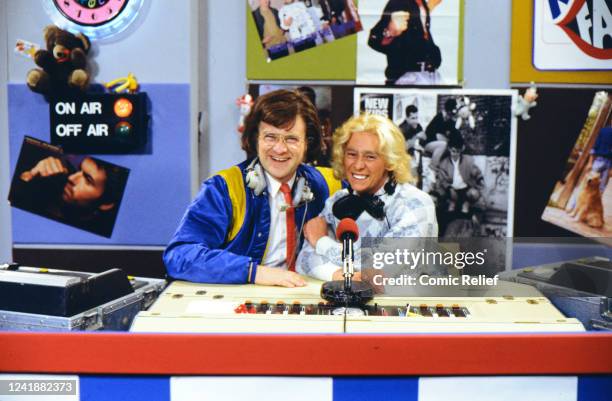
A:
[209,308]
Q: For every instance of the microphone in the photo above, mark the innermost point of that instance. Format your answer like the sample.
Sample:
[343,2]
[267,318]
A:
[347,232]
[347,229]
[346,293]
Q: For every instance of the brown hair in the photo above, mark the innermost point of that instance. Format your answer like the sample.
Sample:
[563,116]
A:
[116,179]
[280,108]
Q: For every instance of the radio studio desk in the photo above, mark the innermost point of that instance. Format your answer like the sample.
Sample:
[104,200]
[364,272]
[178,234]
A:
[282,343]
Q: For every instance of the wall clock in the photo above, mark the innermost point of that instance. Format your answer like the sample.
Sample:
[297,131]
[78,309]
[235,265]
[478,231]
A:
[98,19]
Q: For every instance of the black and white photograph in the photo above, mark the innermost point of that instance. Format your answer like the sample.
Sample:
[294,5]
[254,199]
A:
[286,27]
[409,42]
[81,191]
[462,145]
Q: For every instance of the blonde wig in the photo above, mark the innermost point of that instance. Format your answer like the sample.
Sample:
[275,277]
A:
[391,147]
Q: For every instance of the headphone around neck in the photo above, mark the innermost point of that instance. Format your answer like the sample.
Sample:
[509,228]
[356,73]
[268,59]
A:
[352,205]
[256,180]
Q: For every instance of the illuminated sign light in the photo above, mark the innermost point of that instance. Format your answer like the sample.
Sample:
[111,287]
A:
[123,107]
[100,123]
[123,129]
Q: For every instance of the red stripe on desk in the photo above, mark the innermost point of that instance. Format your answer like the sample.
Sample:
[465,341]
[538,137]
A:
[324,355]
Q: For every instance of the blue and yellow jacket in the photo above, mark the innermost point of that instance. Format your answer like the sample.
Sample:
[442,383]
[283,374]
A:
[226,227]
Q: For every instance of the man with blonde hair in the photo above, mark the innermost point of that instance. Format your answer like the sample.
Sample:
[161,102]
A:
[369,153]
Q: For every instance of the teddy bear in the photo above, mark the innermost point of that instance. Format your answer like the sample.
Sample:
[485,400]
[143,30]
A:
[63,63]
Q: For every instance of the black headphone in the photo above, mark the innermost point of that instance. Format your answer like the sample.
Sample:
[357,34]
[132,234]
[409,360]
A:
[255,180]
[352,205]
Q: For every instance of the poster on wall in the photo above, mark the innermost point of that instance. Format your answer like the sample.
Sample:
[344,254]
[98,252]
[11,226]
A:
[287,27]
[561,41]
[474,130]
[81,191]
[409,42]
[572,35]
[334,104]
[581,200]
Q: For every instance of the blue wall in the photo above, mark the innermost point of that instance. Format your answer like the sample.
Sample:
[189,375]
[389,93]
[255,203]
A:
[158,187]
[159,50]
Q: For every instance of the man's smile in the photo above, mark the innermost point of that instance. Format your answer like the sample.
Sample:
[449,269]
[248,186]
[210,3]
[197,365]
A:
[359,176]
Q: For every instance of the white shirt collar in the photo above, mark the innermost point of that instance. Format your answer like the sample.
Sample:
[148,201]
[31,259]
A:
[274,184]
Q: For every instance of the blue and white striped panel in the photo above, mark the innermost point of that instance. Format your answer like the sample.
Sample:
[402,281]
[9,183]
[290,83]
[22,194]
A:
[251,388]
[255,388]
[547,388]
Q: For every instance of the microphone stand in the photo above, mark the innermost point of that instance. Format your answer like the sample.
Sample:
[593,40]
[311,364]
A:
[348,270]
[346,292]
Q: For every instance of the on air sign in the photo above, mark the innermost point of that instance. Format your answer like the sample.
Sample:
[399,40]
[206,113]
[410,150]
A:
[572,35]
[99,123]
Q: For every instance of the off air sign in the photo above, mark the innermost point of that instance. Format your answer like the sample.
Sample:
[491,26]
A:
[87,108]
[99,123]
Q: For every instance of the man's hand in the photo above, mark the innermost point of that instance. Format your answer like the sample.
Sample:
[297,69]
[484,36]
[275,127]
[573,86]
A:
[45,168]
[368,275]
[288,21]
[315,229]
[398,23]
[273,276]
[339,276]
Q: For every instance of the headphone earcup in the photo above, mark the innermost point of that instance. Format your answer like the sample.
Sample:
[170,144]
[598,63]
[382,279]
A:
[250,179]
[353,205]
[374,206]
[297,194]
[255,179]
[390,186]
[350,206]
[302,193]
[308,195]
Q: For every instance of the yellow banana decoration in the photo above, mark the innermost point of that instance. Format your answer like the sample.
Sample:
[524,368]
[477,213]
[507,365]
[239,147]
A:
[128,84]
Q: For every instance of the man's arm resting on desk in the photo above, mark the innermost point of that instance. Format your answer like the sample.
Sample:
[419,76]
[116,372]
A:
[196,251]
[321,255]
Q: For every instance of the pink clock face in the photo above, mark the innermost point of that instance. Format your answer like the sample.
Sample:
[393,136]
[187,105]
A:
[90,12]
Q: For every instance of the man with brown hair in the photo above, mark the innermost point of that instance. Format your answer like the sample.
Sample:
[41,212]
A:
[459,181]
[245,224]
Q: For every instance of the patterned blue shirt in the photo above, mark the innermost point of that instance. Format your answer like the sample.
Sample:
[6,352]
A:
[410,213]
